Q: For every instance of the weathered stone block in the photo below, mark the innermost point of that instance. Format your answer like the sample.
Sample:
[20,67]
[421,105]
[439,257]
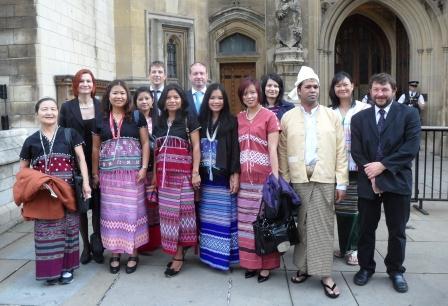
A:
[3,52]
[7,183]
[23,79]
[7,10]
[26,66]
[25,8]
[25,36]
[23,108]
[18,51]
[6,37]
[23,93]
[20,22]
[8,67]
[6,171]
[5,197]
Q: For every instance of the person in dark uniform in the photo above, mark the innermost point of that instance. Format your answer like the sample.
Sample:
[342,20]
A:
[413,98]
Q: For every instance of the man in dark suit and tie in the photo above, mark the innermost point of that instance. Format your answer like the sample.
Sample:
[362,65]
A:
[198,78]
[157,77]
[385,140]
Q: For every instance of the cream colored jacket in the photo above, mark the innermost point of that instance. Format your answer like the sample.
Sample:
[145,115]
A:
[331,165]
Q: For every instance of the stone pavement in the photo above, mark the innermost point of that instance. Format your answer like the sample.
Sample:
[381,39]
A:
[426,262]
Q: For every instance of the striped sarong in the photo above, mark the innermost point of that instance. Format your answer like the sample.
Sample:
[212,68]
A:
[124,222]
[314,253]
[218,235]
[152,211]
[56,246]
[347,217]
[176,195]
[249,201]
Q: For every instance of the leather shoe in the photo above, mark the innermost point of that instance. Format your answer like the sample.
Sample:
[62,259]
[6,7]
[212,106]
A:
[262,278]
[362,277]
[400,284]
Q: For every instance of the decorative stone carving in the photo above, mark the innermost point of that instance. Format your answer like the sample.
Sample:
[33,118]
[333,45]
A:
[289,20]
[326,4]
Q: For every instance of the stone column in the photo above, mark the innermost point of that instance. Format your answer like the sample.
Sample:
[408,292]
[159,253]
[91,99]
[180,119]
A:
[288,54]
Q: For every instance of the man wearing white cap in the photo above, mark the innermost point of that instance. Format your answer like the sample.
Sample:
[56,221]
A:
[312,157]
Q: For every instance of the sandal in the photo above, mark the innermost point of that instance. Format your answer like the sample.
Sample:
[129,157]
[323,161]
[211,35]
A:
[332,295]
[132,269]
[351,258]
[114,269]
[299,277]
[170,272]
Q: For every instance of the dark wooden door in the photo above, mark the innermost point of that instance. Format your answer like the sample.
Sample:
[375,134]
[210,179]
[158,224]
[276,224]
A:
[361,50]
[230,76]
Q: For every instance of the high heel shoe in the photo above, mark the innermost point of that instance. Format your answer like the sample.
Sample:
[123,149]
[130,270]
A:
[184,252]
[170,272]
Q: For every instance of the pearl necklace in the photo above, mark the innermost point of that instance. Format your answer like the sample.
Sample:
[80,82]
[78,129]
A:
[256,113]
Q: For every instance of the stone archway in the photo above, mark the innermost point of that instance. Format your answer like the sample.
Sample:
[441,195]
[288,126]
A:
[427,52]
[232,21]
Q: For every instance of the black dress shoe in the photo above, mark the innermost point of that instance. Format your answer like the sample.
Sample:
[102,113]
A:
[114,269]
[250,273]
[262,278]
[400,284]
[132,269]
[362,277]
[86,256]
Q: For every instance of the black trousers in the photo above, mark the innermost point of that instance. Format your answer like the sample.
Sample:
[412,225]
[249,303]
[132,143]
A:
[396,210]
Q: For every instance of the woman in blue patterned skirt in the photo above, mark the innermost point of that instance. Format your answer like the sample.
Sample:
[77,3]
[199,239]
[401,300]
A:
[219,171]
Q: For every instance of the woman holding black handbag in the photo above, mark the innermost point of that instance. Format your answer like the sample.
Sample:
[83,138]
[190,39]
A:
[82,114]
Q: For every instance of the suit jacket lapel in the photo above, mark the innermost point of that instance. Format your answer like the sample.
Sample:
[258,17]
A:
[74,106]
[372,121]
[391,115]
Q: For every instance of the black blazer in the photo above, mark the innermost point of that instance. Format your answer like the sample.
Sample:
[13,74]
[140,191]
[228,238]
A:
[70,115]
[191,104]
[228,147]
[401,141]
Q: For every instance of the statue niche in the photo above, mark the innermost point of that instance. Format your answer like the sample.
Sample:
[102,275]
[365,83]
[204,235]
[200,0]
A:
[289,24]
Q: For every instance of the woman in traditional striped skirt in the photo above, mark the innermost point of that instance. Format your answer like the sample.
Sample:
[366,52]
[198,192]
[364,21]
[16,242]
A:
[121,154]
[177,156]
[219,169]
[143,101]
[57,241]
[258,134]
[341,90]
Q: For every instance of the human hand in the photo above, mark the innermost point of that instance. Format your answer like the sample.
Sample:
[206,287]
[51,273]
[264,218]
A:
[373,169]
[141,175]
[340,195]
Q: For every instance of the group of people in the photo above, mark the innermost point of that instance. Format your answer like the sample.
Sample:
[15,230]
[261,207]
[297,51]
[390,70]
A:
[173,168]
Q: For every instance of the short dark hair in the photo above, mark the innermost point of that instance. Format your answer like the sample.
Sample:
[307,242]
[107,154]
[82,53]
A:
[246,82]
[336,79]
[264,80]
[107,107]
[383,79]
[38,103]
[157,64]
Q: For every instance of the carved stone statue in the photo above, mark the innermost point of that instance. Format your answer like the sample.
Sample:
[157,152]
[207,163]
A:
[289,20]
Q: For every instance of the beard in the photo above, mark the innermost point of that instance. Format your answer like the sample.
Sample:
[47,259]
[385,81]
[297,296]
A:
[388,102]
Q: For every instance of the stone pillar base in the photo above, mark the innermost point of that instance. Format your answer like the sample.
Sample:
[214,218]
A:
[287,63]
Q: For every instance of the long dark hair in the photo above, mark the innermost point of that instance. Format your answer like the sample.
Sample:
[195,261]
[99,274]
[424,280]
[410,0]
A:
[264,81]
[205,114]
[335,102]
[181,113]
[107,106]
[138,92]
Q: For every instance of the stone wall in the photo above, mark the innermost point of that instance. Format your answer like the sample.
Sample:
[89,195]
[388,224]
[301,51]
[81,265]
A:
[18,35]
[10,146]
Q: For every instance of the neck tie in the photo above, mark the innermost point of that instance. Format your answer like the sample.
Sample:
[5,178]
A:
[198,100]
[380,126]
[155,98]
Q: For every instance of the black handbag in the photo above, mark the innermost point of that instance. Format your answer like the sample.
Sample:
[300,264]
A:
[274,235]
[82,204]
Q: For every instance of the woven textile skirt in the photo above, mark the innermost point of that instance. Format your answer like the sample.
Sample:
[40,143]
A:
[347,217]
[218,234]
[124,222]
[249,201]
[57,246]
